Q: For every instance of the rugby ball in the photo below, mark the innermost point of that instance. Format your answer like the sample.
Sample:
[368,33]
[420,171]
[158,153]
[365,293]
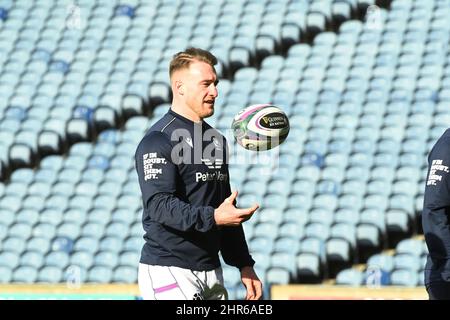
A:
[260,127]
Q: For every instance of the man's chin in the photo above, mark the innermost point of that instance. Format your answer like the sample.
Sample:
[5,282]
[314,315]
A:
[209,112]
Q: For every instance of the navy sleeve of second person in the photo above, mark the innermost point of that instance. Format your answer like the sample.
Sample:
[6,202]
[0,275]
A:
[435,216]
[158,176]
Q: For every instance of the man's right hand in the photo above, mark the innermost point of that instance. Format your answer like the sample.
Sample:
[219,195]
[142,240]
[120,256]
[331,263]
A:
[228,215]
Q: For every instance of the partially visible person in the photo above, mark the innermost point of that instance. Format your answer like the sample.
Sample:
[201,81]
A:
[435,220]
[189,211]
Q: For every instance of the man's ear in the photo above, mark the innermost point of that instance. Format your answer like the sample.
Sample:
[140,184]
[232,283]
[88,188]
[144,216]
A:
[180,87]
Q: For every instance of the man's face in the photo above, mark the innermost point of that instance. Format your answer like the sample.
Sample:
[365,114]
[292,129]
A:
[200,91]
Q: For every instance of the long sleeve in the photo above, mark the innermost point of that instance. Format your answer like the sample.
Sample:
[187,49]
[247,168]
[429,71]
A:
[172,212]
[436,210]
[157,176]
[234,247]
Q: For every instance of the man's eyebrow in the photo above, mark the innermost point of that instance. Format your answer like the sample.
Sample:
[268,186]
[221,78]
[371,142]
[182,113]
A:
[210,81]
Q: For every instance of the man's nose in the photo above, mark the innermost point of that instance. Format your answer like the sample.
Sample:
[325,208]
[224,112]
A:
[213,91]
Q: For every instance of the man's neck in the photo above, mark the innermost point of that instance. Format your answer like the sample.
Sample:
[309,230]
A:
[186,112]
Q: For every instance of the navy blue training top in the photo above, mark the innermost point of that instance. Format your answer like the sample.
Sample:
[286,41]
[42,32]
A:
[436,210]
[183,175]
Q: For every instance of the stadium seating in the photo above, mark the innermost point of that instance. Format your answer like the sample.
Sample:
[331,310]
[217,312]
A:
[403,267]
[365,105]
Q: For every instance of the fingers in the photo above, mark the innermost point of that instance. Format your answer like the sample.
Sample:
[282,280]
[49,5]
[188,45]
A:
[232,197]
[258,287]
[250,292]
[248,211]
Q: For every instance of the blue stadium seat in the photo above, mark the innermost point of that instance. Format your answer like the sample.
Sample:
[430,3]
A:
[407,261]
[327,186]
[278,276]
[116,229]
[49,274]
[33,202]
[122,216]
[231,277]
[406,278]
[135,242]
[45,176]
[24,274]
[357,173]
[381,261]
[308,268]
[33,259]
[379,187]
[376,201]
[5,275]
[21,230]
[266,229]
[104,203]
[62,243]
[350,277]
[86,244]
[99,274]
[18,189]
[14,244]
[261,244]
[398,221]
[368,236]
[406,188]
[346,231]
[93,229]
[321,215]
[313,245]
[44,230]
[375,217]
[354,201]
[99,216]
[70,230]
[38,244]
[81,259]
[129,258]
[291,229]
[111,243]
[263,257]
[270,215]
[325,201]
[83,202]
[338,248]
[410,246]
[28,216]
[124,274]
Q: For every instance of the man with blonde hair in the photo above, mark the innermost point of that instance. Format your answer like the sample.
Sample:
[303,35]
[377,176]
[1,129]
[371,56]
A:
[189,213]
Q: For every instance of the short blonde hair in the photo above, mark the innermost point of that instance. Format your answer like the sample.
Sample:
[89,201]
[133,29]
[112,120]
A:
[184,59]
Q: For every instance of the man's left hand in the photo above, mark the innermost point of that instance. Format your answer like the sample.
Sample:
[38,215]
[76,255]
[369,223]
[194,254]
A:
[252,283]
